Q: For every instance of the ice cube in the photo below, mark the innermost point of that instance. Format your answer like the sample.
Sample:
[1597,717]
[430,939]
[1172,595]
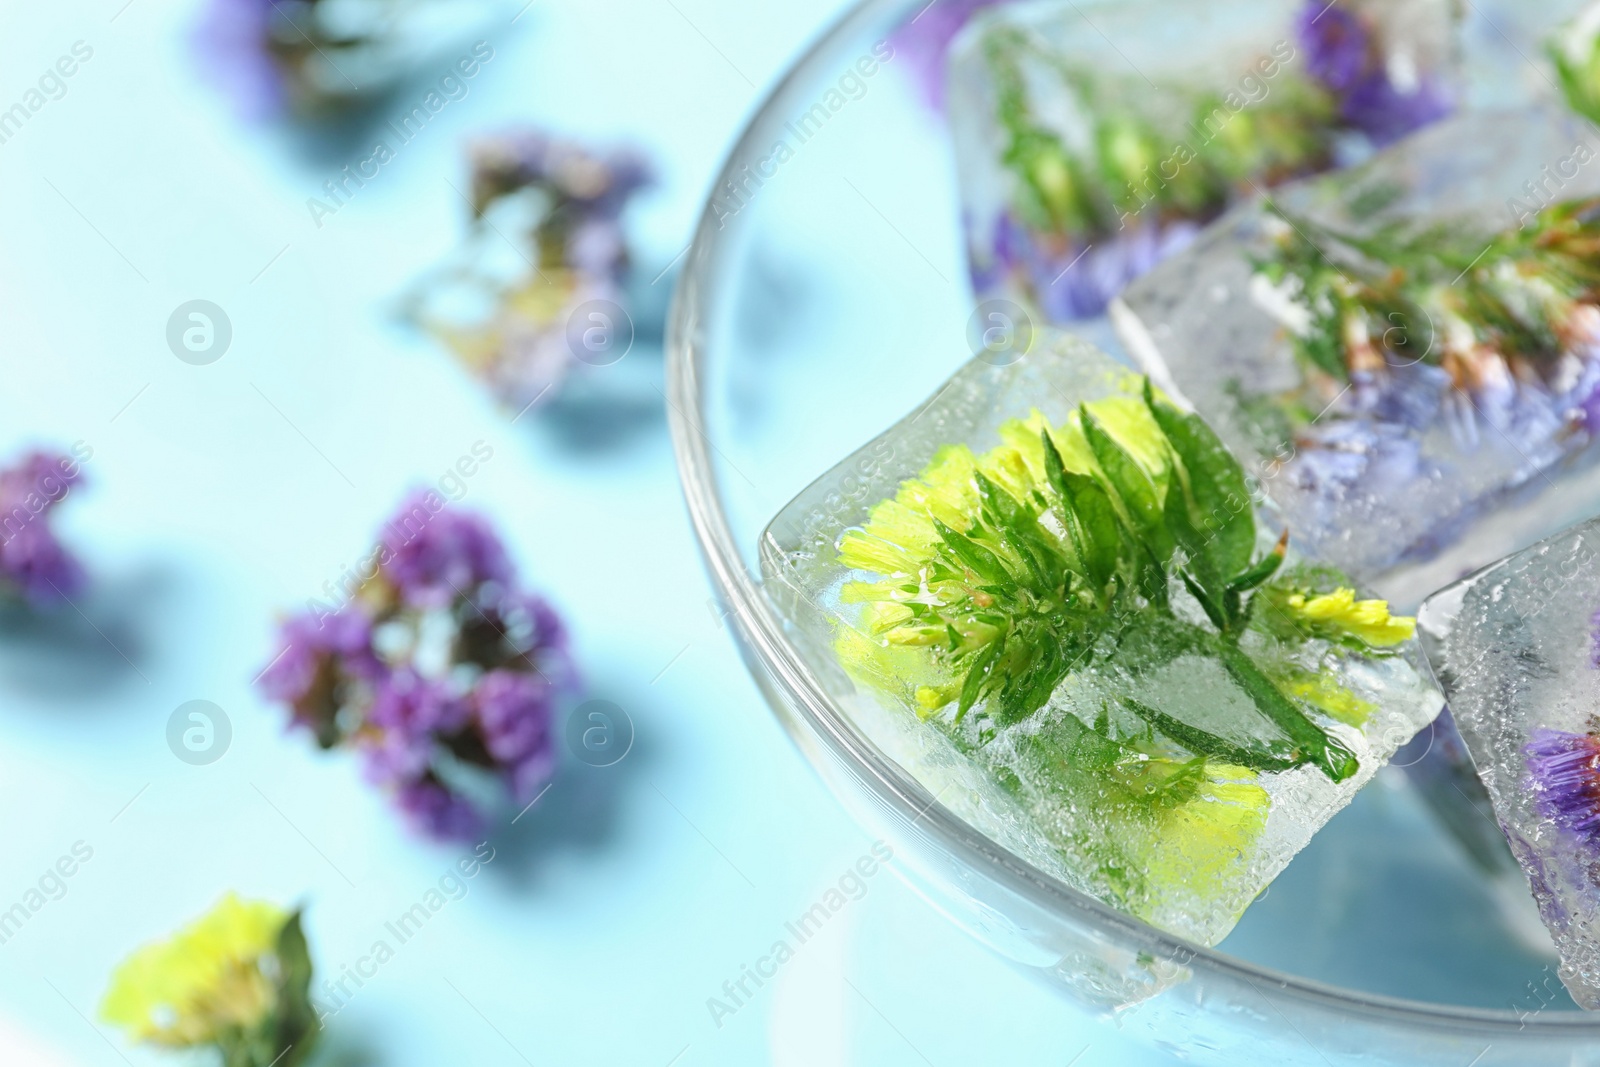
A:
[1413,407]
[1091,141]
[1515,648]
[1439,768]
[1508,48]
[1136,691]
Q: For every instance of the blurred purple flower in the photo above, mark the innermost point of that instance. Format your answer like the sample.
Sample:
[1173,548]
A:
[1337,44]
[33,563]
[306,640]
[515,717]
[1080,280]
[925,39]
[581,183]
[320,656]
[1385,114]
[1564,777]
[485,704]
[1586,408]
[438,812]
[1345,57]
[451,553]
[407,706]
[522,334]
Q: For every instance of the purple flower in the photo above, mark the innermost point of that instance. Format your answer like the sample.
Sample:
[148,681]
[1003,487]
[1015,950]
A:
[33,563]
[529,354]
[925,42]
[1348,60]
[1564,777]
[307,57]
[1337,45]
[438,812]
[407,706]
[1386,114]
[1586,407]
[1076,281]
[524,335]
[432,698]
[580,182]
[320,656]
[515,713]
[439,555]
[536,635]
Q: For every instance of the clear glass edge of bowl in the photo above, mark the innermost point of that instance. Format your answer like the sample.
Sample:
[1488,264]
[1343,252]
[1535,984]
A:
[758,629]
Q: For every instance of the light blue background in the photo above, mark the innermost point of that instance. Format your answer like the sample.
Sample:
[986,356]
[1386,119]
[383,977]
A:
[221,496]
[626,896]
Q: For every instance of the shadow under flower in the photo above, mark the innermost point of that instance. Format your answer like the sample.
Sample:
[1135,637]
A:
[344,1045]
[332,140]
[600,410]
[581,811]
[83,647]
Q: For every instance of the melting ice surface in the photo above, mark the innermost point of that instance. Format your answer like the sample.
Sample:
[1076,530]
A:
[1096,778]
[1514,647]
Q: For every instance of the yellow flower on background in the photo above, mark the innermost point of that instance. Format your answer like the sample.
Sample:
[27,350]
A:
[208,977]
[1366,620]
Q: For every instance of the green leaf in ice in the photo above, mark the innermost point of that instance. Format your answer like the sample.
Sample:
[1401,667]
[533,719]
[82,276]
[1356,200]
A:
[995,577]
[1481,305]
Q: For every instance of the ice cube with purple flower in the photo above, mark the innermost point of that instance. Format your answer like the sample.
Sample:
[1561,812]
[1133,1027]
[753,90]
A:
[1092,142]
[1409,351]
[1513,646]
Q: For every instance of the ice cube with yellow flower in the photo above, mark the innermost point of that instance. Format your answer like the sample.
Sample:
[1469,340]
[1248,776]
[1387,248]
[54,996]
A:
[1047,594]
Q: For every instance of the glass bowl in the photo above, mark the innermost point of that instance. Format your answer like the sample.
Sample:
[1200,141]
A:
[823,297]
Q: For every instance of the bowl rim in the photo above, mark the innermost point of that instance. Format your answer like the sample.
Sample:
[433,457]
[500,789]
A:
[759,631]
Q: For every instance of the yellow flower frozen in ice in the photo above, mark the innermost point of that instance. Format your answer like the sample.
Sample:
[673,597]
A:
[1202,844]
[1366,620]
[210,977]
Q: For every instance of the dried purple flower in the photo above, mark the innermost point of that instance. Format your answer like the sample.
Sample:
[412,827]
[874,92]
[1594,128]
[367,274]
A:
[411,708]
[520,333]
[311,58]
[513,712]
[1564,777]
[438,670]
[439,813]
[323,656]
[451,553]
[34,565]
[1386,113]
[581,183]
